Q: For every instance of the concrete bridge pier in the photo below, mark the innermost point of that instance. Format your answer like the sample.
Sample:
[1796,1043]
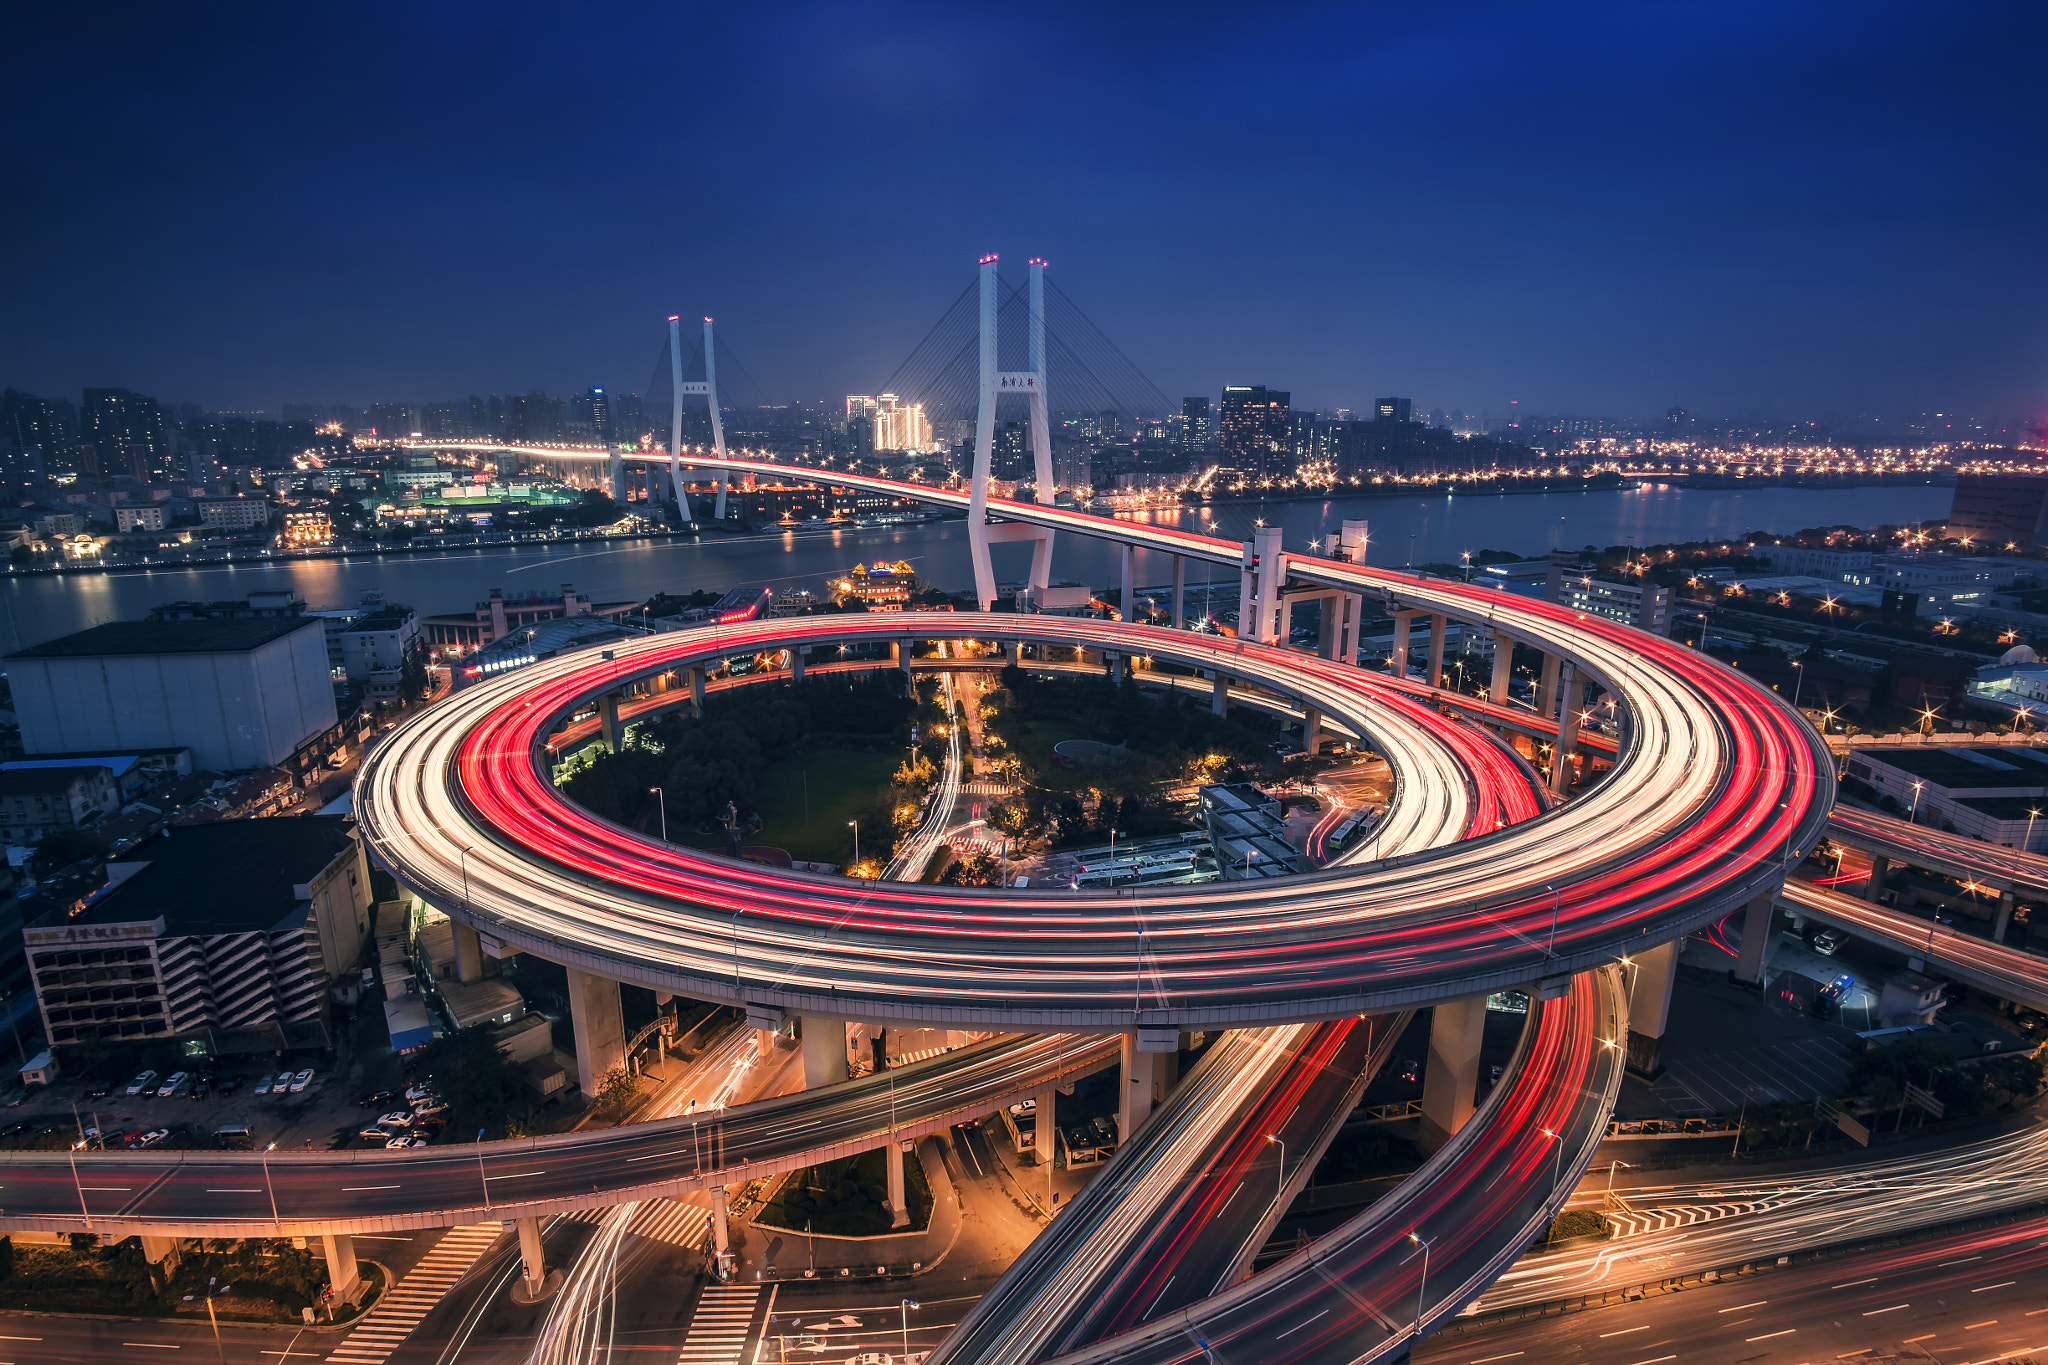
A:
[1180,591]
[697,692]
[163,1251]
[899,1206]
[469,955]
[721,1235]
[1219,699]
[600,1023]
[608,721]
[1567,739]
[1150,1059]
[905,649]
[1404,620]
[1546,686]
[342,1273]
[1880,868]
[1311,730]
[1450,1079]
[1044,1145]
[796,662]
[1013,653]
[1439,627]
[1756,938]
[2006,905]
[824,1044]
[1130,591]
[1652,976]
[535,1283]
[1503,667]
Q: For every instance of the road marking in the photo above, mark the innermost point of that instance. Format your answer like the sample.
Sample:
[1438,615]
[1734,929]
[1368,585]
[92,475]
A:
[1875,1311]
[109,1189]
[2037,1312]
[353,1189]
[1965,1261]
[1739,1307]
[407,1303]
[1509,1356]
[1988,1322]
[1625,1331]
[2003,1284]
[39,1338]
[1910,1340]
[516,1175]
[1290,1331]
[153,1345]
[1853,1283]
[1653,1360]
[236,1191]
[1768,1335]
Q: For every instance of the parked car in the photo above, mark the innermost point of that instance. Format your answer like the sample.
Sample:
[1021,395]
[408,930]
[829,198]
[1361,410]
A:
[375,1132]
[103,1089]
[302,1080]
[228,1086]
[377,1099]
[397,1119]
[153,1137]
[1826,941]
[173,1084]
[429,1110]
[263,1084]
[1411,1072]
[145,1081]
[418,1091]
[401,1143]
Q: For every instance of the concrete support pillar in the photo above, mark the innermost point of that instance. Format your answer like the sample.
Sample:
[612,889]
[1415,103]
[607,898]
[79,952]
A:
[899,1206]
[1567,740]
[697,692]
[469,955]
[1180,591]
[2006,901]
[1219,699]
[721,1235]
[608,721]
[1880,867]
[1311,730]
[163,1251]
[1546,686]
[824,1050]
[600,1025]
[1450,1080]
[1756,938]
[1148,1071]
[1397,658]
[1013,653]
[905,650]
[1045,1145]
[796,663]
[1439,627]
[1651,978]
[1130,587]
[342,1274]
[533,1266]
[1503,666]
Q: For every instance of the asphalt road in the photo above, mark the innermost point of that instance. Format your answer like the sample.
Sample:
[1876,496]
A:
[1976,1297]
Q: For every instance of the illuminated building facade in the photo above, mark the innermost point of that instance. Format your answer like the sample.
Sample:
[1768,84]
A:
[900,425]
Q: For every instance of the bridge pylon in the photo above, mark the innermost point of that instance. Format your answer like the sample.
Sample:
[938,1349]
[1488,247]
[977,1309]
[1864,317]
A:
[1030,385]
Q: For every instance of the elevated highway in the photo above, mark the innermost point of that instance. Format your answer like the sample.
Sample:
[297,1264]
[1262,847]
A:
[2003,972]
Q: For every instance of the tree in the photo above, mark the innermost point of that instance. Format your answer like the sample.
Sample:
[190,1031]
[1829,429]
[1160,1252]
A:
[483,1088]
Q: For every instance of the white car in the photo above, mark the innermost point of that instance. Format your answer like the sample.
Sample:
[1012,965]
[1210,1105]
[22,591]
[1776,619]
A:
[170,1085]
[146,1081]
[399,1144]
[302,1080]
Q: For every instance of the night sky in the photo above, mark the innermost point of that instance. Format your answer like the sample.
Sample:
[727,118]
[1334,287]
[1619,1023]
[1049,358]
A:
[1774,210]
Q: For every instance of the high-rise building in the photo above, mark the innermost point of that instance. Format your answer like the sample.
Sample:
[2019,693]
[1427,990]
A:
[1255,429]
[1194,416]
[900,425]
[1395,410]
[1997,508]
[129,432]
[600,415]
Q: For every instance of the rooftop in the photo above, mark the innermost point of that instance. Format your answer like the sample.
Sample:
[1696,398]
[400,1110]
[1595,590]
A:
[1967,768]
[227,877]
[233,636]
[45,781]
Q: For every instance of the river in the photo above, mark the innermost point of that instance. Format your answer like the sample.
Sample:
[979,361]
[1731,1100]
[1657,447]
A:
[1404,530]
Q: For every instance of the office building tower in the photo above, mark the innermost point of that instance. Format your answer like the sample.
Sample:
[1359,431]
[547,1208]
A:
[1196,429]
[900,425]
[1395,410]
[600,415]
[1255,429]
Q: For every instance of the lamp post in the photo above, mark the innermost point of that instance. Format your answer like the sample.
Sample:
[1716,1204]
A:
[78,1185]
[1610,1173]
[1914,810]
[218,1353]
[1421,1287]
[662,797]
[1801,675]
[736,950]
[2032,815]
[854,825]
[1280,1192]
[1557,1165]
[1556,897]
[462,859]
[907,1305]
[271,1188]
[482,1179]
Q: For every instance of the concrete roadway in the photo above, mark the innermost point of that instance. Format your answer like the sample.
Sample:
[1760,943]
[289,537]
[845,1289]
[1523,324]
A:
[246,1194]
[1979,1296]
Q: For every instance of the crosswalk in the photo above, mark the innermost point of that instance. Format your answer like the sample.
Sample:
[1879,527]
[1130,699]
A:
[414,1296]
[721,1325]
[661,1220]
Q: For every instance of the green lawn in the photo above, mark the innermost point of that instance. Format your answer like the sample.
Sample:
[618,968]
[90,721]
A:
[1034,751]
[840,782]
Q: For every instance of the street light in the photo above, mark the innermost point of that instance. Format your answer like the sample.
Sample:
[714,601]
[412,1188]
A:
[267,1185]
[1915,808]
[1280,1193]
[1422,1287]
[1556,896]
[662,796]
[854,825]
[736,949]
[2032,815]
[1557,1166]
[1798,685]
[907,1305]
[462,859]
[482,1179]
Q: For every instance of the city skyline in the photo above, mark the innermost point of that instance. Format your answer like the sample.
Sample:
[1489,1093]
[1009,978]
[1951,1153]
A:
[1733,247]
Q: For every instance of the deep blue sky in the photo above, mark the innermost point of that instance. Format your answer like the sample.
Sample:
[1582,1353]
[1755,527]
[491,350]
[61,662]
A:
[1771,209]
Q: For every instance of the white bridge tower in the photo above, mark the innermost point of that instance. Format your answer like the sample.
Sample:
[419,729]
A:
[994,383]
[708,389]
